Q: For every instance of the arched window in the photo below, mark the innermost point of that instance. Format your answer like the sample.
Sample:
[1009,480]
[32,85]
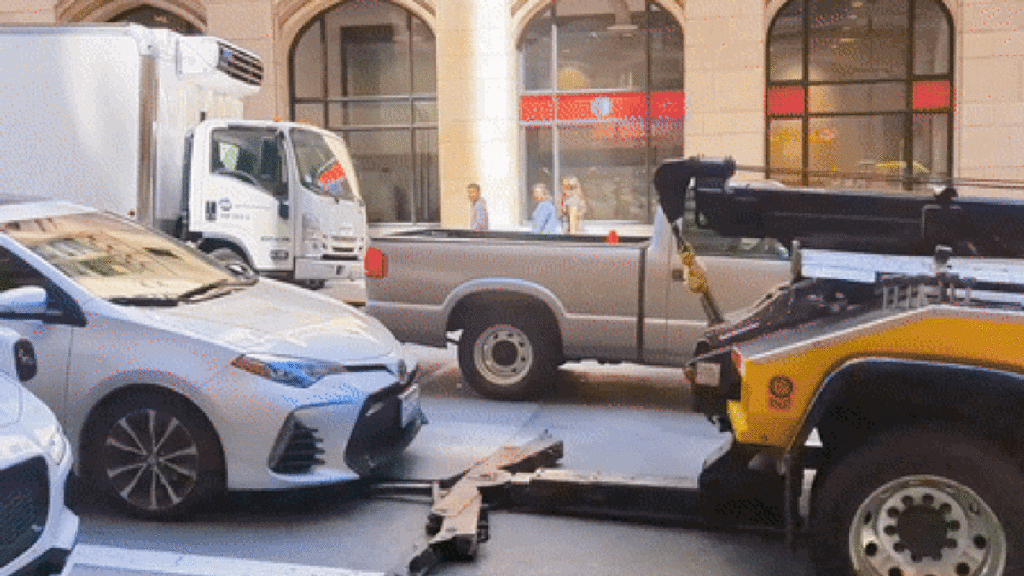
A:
[157,18]
[601,99]
[365,69]
[860,93]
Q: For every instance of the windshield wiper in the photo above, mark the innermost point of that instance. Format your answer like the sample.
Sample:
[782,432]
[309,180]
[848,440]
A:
[208,287]
[144,300]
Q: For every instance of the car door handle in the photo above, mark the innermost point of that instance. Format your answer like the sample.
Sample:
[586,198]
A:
[678,275]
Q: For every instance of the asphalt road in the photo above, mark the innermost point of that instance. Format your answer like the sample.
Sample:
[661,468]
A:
[620,419]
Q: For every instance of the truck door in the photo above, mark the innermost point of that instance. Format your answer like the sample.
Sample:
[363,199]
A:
[52,341]
[329,212]
[740,271]
[246,197]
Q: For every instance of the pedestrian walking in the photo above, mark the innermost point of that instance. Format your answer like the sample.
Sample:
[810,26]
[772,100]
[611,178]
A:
[478,208]
[574,205]
[545,218]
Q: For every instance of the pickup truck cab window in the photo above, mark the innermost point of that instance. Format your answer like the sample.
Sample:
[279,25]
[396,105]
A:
[114,258]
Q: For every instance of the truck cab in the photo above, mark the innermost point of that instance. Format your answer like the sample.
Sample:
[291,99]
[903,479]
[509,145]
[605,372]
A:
[281,197]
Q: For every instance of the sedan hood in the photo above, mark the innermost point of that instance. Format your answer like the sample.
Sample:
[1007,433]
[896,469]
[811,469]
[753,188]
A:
[277,318]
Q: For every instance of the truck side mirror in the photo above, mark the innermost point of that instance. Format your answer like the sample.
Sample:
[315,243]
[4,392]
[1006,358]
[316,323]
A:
[282,208]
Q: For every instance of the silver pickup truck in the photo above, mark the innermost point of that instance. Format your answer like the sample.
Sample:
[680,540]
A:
[526,303]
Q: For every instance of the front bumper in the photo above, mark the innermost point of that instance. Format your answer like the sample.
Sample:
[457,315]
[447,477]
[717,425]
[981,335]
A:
[307,268]
[333,442]
[49,553]
[714,380]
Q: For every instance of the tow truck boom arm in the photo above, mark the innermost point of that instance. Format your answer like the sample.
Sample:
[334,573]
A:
[879,222]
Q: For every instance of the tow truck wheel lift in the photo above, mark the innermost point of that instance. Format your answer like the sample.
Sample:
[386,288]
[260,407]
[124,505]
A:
[728,495]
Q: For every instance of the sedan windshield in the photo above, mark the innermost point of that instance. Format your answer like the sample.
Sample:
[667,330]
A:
[116,259]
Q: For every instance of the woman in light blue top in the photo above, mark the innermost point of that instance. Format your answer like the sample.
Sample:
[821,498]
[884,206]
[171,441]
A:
[545,216]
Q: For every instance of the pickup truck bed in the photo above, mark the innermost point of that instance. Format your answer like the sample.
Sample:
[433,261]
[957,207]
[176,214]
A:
[525,303]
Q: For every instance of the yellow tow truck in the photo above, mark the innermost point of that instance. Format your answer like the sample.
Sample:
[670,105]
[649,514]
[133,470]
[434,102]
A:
[909,369]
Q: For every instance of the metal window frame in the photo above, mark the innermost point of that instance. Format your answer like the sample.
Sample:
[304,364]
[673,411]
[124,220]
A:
[908,79]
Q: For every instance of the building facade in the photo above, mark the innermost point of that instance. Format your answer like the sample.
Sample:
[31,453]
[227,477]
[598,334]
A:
[433,95]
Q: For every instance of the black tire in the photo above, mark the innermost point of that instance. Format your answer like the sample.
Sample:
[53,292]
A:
[507,354]
[919,501]
[118,455]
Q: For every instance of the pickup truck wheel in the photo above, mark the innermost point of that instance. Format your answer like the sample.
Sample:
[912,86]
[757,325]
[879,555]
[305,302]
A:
[918,502]
[506,356]
[154,456]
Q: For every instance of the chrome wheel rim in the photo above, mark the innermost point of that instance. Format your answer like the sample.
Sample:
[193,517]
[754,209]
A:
[151,459]
[503,354]
[926,526]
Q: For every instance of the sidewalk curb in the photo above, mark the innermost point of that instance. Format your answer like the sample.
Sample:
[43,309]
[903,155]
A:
[155,561]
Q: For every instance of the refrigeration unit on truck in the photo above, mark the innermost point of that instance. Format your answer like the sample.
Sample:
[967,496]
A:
[146,123]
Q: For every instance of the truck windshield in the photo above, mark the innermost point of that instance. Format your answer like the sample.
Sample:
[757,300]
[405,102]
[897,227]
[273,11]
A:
[117,259]
[319,160]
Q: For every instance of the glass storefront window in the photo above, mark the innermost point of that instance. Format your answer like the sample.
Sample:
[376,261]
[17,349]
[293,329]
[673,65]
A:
[869,118]
[785,143]
[786,51]
[366,70]
[857,40]
[616,108]
[931,38]
[858,151]
[385,172]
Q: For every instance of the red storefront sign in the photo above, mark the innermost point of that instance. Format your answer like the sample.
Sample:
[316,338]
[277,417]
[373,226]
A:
[619,116]
[931,95]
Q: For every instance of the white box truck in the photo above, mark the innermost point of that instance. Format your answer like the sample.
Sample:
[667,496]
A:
[146,123]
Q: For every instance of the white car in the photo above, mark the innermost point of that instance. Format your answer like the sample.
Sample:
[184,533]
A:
[176,378]
[37,531]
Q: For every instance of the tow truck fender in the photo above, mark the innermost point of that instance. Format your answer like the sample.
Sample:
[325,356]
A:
[869,394]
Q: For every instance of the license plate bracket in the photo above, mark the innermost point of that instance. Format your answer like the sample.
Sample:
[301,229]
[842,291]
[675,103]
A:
[410,400]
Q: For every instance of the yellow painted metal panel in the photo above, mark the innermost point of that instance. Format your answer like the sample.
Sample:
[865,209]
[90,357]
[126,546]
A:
[780,383]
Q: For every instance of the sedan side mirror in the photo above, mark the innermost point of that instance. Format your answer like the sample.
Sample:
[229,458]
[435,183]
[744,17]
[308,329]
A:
[26,301]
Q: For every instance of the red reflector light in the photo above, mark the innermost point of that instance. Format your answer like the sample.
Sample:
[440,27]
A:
[375,263]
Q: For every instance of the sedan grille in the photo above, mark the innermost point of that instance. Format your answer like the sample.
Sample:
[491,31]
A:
[298,449]
[24,506]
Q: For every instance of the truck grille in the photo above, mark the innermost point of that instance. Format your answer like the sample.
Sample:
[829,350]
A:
[240,65]
[24,506]
[342,248]
[300,452]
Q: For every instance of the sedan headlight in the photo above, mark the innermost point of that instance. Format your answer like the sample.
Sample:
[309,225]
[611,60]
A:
[296,372]
[52,441]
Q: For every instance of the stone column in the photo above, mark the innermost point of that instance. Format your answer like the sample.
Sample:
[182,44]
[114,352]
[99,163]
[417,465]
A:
[477,119]
[724,44]
[988,137]
[250,24]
